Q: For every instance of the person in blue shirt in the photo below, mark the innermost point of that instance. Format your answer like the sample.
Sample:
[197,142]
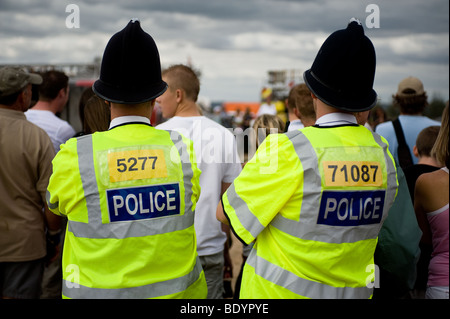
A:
[411,98]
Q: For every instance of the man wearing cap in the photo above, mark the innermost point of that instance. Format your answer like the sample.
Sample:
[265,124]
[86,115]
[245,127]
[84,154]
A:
[25,155]
[313,200]
[411,98]
[129,193]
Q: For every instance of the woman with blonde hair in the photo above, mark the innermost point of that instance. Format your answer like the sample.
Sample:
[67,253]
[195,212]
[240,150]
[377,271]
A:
[262,126]
[267,124]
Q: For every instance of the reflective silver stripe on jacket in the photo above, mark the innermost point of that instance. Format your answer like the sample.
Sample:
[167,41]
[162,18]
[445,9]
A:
[50,205]
[391,171]
[249,221]
[301,286]
[154,290]
[308,228]
[186,167]
[95,229]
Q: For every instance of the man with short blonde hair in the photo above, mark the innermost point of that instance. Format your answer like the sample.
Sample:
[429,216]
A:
[217,158]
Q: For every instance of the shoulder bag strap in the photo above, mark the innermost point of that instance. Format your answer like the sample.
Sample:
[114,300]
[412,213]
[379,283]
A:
[404,154]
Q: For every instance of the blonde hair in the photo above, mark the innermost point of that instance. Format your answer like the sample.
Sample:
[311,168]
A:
[266,124]
[440,148]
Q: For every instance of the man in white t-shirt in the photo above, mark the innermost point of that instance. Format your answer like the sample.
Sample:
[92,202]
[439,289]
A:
[53,96]
[217,157]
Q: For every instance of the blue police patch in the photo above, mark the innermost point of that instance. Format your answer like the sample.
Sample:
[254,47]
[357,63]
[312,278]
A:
[143,202]
[351,208]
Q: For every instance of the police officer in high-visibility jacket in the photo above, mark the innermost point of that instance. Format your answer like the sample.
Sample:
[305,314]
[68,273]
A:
[129,193]
[314,199]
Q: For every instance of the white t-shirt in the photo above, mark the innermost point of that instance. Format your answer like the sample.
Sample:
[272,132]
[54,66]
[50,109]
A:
[57,129]
[218,159]
[295,125]
[267,109]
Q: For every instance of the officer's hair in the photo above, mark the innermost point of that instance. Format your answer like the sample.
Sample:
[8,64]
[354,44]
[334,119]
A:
[426,139]
[263,125]
[300,98]
[52,82]
[183,77]
[440,150]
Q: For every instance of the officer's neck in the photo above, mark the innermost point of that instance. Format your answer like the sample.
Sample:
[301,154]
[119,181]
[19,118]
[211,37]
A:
[143,109]
[324,109]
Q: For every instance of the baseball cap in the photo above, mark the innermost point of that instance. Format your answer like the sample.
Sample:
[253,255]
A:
[14,79]
[410,86]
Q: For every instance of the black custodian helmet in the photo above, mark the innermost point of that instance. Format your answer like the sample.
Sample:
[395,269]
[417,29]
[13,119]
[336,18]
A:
[131,69]
[343,71]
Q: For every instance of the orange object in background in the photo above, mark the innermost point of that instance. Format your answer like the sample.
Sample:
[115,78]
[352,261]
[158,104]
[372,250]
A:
[231,107]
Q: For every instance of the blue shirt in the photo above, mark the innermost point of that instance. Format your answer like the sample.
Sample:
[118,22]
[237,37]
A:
[412,125]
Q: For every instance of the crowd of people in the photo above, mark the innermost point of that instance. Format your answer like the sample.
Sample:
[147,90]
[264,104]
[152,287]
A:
[125,209]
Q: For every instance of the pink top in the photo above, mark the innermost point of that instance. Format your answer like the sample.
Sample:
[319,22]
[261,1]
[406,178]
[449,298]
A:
[438,269]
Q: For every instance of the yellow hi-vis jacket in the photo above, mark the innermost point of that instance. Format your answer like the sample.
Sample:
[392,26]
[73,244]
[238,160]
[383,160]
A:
[314,200]
[129,195]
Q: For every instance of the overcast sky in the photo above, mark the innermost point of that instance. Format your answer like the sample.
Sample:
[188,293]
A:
[235,42]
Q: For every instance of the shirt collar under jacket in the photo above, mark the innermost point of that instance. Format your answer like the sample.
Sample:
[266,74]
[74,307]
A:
[128,119]
[335,119]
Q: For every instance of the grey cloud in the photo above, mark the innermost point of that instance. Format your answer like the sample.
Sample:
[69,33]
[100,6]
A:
[285,30]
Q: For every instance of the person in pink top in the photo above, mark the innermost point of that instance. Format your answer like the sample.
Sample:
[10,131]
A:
[431,206]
